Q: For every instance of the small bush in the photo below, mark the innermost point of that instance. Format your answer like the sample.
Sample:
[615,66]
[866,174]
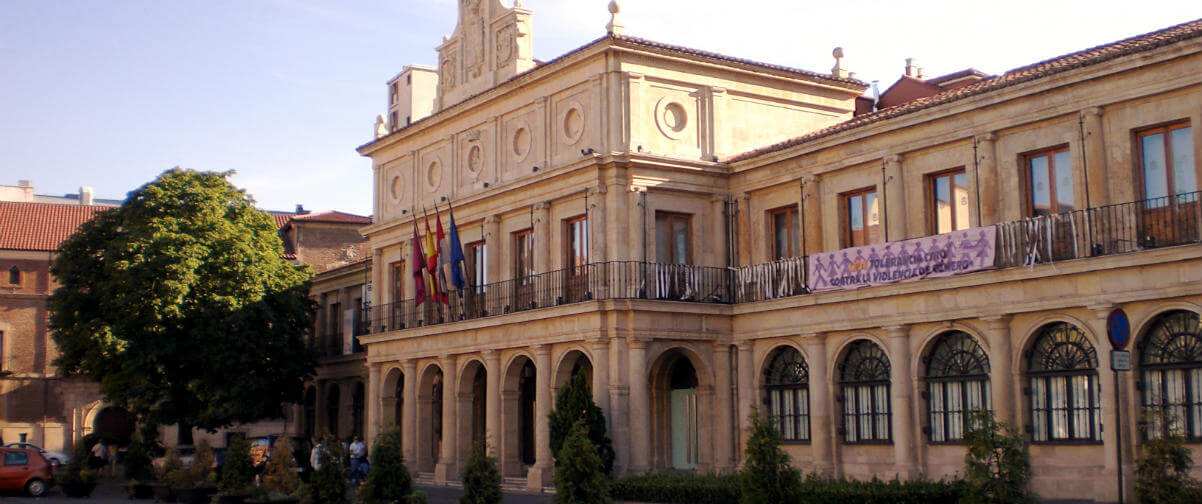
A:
[200,473]
[328,484]
[580,476]
[238,472]
[997,462]
[77,470]
[682,488]
[1162,472]
[137,460]
[481,479]
[280,479]
[767,475]
[417,497]
[727,488]
[388,480]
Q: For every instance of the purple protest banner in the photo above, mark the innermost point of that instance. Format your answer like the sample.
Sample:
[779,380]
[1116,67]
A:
[905,261]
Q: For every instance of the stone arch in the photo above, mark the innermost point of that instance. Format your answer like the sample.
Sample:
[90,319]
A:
[1139,329]
[570,362]
[765,353]
[518,420]
[1031,331]
[681,387]
[392,397]
[472,405]
[429,417]
[931,337]
[832,364]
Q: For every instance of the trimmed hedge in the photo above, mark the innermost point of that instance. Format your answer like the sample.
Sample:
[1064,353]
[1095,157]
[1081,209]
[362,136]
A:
[725,489]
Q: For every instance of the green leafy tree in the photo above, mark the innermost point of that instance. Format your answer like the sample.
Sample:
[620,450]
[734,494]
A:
[481,479]
[279,478]
[180,304]
[574,402]
[388,480]
[238,471]
[328,484]
[580,476]
[997,462]
[1162,471]
[767,475]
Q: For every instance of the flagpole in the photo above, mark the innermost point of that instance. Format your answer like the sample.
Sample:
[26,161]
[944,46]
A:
[455,232]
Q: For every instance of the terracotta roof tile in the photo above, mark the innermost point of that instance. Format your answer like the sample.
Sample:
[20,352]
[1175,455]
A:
[41,226]
[332,216]
[1087,57]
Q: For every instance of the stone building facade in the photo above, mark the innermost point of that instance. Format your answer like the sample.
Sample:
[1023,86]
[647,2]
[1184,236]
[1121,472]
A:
[651,215]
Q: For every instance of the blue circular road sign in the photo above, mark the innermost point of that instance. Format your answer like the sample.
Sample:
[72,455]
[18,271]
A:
[1118,328]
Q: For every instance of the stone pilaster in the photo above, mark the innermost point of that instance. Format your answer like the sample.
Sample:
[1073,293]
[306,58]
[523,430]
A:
[600,351]
[492,401]
[448,453]
[894,193]
[1001,378]
[1095,157]
[539,475]
[640,415]
[373,404]
[901,394]
[409,411]
[821,432]
[724,434]
[746,393]
[811,205]
[987,179]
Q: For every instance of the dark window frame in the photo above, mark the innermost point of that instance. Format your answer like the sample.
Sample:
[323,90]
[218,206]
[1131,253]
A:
[1063,351]
[786,372]
[956,357]
[572,257]
[792,231]
[1172,343]
[523,255]
[669,219]
[859,376]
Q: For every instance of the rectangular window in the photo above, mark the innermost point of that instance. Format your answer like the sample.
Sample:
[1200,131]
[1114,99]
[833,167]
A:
[393,94]
[673,238]
[392,124]
[335,341]
[523,255]
[862,215]
[1167,161]
[476,259]
[949,201]
[1049,182]
[786,236]
[576,245]
[397,291]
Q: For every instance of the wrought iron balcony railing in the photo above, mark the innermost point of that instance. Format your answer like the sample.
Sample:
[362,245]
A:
[1111,229]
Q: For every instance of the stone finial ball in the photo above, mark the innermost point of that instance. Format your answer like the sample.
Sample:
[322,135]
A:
[838,52]
[614,8]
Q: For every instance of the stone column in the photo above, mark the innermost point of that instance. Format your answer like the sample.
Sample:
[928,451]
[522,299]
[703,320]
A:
[640,415]
[639,227]
[1001,379]
[902,397]
[821,432]
[987,179]
[718,231]
[894,193]
[492,401]
[493,242]
[542,237]
[373,403]
[746,394]
[619,403]
[811,204]
[408,419]
[1095,157]
[449,451]
[724,434]
[597,240]
[600,349]
[540,474]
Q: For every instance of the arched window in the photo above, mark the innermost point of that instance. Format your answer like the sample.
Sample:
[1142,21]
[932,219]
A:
[1171,368]
[1063,370]
[787,393]
[14,276]
[864,379]
[957,378]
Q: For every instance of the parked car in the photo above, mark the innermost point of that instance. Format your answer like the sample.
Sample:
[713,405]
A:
[56,458]
[25,469]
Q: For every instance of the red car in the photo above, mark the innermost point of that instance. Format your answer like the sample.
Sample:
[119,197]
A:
[25,469]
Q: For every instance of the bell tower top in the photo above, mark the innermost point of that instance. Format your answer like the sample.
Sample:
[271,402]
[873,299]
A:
[491,44]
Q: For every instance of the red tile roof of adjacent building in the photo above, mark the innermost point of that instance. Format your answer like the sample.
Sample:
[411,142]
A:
[41,226]
[1087,57]
[333,216]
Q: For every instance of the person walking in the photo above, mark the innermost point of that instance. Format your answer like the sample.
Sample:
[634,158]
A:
[315,455]
[358,455]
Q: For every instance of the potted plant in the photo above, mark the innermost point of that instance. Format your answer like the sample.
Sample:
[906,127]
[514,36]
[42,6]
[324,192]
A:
[77,480]
[138,470]
[169,475]
[280,482]
[199,482]
[237,473]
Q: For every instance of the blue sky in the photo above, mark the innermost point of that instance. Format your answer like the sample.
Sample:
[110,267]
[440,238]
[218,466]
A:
[111,93]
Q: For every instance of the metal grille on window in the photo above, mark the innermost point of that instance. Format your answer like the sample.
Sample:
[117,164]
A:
[1065,400]
[787,390]
[957,378]
[1171,369]
[864,381]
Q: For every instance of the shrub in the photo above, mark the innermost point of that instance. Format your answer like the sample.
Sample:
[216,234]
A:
[727,488]
[200,473]
[481,479]
[280,479]
[137,460]
[575,402]
[77,471]
[767,475]
[1162,472]
[238,472]
[388,480]
[699,489]
[172,470]
[328,484]
[997,462]
[580,477]
[417,497]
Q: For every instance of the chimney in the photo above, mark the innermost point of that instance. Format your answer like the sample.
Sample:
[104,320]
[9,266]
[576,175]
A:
[85,195]
[912,69]
[24,183]
[300,209]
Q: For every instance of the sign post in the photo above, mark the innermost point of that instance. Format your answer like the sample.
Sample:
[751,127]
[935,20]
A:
[1118,329]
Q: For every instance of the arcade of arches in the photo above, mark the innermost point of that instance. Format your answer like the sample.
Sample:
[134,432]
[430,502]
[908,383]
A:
[856,403]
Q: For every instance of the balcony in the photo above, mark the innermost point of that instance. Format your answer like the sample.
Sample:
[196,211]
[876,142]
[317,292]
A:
[1100,231]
